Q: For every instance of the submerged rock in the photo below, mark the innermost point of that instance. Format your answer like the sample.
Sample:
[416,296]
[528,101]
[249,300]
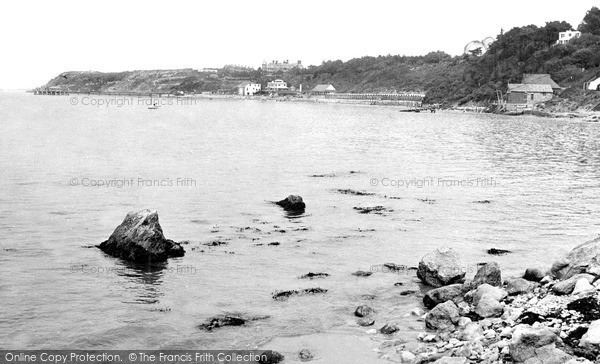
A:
[494,251]
[361,273]
[140,239]
[365,321]
[441,268]
[305,354]
[284,295]
[584,258]
[363,310]
[389,329]
[311,275]
[378,210]
[292,203]
[220,321]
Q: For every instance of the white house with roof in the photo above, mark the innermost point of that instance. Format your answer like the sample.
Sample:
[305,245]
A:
[565,37]
[249,88]
[277,85]
[323,89]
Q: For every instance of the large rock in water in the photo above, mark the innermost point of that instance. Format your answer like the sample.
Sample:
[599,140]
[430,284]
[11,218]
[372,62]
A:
[441,268]
[140,239]
[292,203]
[584,258]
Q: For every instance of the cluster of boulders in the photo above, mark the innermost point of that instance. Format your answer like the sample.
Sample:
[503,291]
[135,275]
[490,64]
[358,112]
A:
[540,318]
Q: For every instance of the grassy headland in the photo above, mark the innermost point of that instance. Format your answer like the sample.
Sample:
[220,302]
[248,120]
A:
[466,79]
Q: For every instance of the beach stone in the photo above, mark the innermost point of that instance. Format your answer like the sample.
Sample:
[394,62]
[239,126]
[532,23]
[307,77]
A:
[407,357]
[463,321]
[451,360]
[591,339]
[140,239]
[472,332]
[463,308]
[526,339]
[292,203]
[584,258]
[579,361]
[506,332]
[441,268]
[363,310]
[389,329]
[533,274]
[365,321]
[488,273]
[485,289]
[270,357]
[442,316]
[515,286]
[548,354]
[305,354]
[588,307]
[453,292]
[487,306]
[581,286]
[568,285]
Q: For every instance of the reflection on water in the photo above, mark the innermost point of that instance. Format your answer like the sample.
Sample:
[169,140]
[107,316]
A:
[143,281]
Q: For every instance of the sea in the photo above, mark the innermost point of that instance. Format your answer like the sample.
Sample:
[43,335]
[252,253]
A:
[380,186]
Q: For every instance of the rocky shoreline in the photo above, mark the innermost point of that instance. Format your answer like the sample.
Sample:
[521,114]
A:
[541,318]
[550,317]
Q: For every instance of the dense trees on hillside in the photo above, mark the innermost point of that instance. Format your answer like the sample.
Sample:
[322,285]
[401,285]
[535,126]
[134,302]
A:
[445,79]
[527,49]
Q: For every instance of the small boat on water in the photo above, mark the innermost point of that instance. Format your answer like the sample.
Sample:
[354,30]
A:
[154,106]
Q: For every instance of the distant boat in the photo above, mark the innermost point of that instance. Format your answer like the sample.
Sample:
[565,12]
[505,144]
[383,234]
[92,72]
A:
[154,105]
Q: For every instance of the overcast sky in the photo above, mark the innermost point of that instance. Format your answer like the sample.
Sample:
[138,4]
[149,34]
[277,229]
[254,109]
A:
[41,39]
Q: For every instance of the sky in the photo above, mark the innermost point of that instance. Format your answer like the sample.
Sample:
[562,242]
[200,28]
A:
[41,39]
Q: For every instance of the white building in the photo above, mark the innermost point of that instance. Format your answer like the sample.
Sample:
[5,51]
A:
[248,88]
[565,37]
[594,84]
[277,85]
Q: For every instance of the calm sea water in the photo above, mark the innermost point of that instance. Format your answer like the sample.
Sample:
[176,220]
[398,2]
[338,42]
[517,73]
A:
[540,176]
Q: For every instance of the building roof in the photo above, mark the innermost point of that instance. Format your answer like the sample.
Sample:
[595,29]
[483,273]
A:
[521,87]
[323,88]
[538,79]
[246,83]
